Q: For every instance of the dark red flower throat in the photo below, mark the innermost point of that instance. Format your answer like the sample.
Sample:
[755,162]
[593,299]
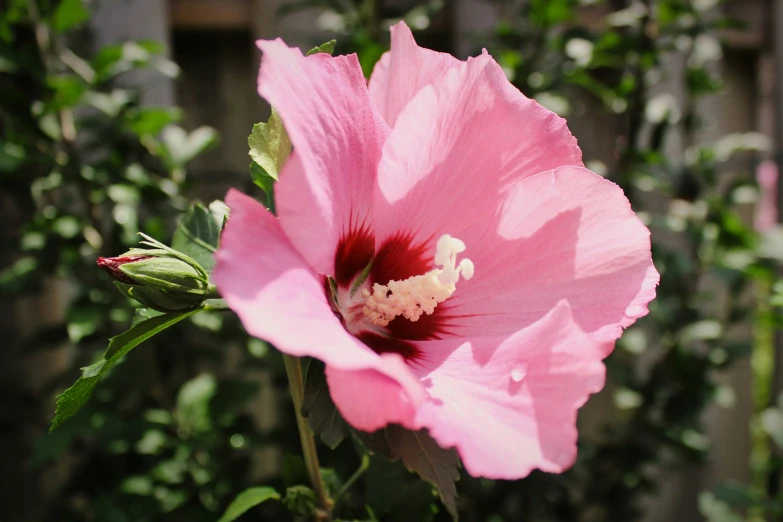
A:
[398,258]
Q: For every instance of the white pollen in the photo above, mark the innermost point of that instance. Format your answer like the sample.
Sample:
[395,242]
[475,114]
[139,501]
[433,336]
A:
[418,295]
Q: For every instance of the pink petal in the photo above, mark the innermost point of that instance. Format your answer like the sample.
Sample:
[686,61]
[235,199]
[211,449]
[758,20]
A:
[403,71]
[276,294]
[509,404]
[281,300]
[457,146]
[564,234]
[325,190]
[371,399]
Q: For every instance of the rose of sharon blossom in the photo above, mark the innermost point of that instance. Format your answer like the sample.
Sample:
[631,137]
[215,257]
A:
[442,249]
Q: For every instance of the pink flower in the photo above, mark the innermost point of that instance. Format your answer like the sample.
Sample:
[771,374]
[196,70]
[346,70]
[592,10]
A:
[439,171]
[767,210]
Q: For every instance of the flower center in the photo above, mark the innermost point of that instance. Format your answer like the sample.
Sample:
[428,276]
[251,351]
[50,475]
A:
[419,294]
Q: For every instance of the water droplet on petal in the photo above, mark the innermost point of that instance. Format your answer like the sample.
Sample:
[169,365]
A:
[518,373]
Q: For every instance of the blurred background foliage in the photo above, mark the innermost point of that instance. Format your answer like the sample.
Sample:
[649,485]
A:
[85,166]
[201,412]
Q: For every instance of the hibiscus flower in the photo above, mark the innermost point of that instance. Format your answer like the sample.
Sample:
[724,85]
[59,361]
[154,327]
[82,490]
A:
[441,248]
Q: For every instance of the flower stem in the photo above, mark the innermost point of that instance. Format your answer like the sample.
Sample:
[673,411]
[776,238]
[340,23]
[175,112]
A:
[356,476]
[293,369]
[212,292]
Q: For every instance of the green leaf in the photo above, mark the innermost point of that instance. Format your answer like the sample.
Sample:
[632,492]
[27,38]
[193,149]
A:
[327,48]
[422,455]
[112,60]
[715,510]
[140,332]
[318,408]
[14,277]
[737,495]
[72,399]
[269,145]
[265,182]
[772,423]
[294,471]
[178,147]
[67,90]
[193,412]
[12,155]
[69,14]
[300,500]
[152,120]
[83,320]
[142,314]
[371,53]
[396,495]
[198,232]
[248,499]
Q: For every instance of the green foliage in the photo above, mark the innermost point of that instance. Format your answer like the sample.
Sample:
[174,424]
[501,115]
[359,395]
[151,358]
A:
[177,147]
[198,232]
[701,246]
[69,402]
[300,501]
[420,454]
[84,167]
[395,495]
[416,450]
[327,48]
[318,408]
[294,471]
[772,422]
[361,24]
[265,183]
[246,500]
[270,146]
[68,15]
[90,167]
[714,510]
[269,149]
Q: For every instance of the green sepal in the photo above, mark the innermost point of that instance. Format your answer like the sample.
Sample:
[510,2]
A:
[157,245]
[166,273]
[326,47]
[159,299]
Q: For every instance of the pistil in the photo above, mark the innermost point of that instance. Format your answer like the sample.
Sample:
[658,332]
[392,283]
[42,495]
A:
[421,294]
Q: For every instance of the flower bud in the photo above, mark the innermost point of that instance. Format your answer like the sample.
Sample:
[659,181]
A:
[160,278]
[111,265]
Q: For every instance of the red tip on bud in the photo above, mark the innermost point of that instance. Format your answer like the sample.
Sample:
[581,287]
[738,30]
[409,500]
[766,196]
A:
[111,265]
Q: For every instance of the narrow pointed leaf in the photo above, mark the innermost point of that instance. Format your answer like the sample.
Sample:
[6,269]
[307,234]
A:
[121,344]
[72,399]
[246,500]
